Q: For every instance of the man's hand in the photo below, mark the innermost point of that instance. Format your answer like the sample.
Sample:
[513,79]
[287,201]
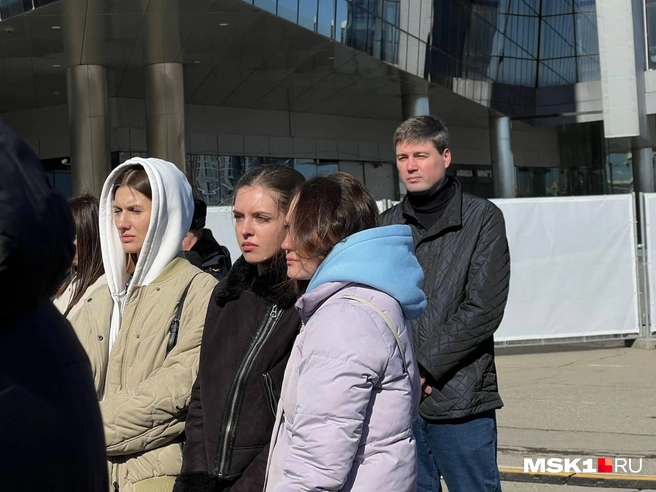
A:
[426,388]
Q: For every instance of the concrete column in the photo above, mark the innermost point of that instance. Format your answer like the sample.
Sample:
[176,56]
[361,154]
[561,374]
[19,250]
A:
[503,167]
[643,170]
[88,118]
[165,118]
[414,105]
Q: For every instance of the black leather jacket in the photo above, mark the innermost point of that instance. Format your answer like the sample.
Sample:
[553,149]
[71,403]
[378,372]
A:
[466,265]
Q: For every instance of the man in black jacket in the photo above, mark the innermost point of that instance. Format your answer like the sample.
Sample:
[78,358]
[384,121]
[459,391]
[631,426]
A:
[460,241]
[200,247]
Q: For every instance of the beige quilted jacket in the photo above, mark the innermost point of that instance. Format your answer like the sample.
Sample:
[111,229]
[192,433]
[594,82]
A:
[146,393]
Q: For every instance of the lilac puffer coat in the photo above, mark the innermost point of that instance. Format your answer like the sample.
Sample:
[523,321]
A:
[344,420]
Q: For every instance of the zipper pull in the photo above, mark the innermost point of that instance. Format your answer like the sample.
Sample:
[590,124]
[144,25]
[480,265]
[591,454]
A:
[275,312]
[115,486]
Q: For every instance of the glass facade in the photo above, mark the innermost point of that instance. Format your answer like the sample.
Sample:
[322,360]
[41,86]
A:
[10,8]
[589,165]
[650,15]
[513,45]
[214,177]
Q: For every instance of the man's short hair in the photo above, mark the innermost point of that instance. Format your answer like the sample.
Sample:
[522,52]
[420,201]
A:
[200,213]
[423,129]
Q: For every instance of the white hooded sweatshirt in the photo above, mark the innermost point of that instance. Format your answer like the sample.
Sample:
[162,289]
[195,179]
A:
[170,218]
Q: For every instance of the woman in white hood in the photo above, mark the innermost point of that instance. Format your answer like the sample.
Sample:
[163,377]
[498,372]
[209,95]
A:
[146,358]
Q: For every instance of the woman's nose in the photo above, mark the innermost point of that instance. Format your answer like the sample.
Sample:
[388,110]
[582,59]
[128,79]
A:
[286,244]
[246,229]
[121,223]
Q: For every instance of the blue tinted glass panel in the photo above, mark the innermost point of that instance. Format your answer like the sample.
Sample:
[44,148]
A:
[587,39]
[341,20]
[651,34]
[359,35]
[307,14]
[307,169]
[288,9]
[555,7]
[391,12]
[326,19]
[585,5]
[10,8]
[268,5]
[524,7]
[588,68]
[557,37]
[513,71]
[390,44]
[557,72]
[522,34]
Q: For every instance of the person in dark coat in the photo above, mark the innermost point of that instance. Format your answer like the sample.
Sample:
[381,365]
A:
[460,242]
[250,329]
[50,424]
[201,249]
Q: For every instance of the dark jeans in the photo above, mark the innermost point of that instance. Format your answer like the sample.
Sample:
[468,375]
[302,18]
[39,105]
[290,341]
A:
[462,451]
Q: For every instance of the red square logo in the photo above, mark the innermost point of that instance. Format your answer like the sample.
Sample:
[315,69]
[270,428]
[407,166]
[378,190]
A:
[605,465]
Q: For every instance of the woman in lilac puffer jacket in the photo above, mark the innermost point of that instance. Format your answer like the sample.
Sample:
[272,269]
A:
[351,387]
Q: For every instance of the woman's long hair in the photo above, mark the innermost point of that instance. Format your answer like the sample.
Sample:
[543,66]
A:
[89,256]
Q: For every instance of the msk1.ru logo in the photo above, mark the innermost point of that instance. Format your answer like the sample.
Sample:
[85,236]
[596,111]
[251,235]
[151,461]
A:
[583,465]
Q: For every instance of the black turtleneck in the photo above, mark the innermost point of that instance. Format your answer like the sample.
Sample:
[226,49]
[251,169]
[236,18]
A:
[430,205]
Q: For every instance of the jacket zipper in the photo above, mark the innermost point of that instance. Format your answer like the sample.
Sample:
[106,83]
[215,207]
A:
[270,392]
[228,428]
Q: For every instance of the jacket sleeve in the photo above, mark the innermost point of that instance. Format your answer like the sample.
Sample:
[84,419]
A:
[195,454]
[152,413]
[342,358]
[479,316]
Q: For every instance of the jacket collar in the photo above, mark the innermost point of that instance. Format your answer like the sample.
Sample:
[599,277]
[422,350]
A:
[273,285]
[313,300]
[452,217]
[206,245]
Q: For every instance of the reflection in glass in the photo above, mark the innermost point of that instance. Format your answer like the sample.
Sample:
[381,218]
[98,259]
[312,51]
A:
[587,40]
[619,172]
[519,44]
[561,71]
[268,5]
[557,37]
[341,20]
[361,28]
[288,9]
[651,32]
[311,169]
[555,7]
[307,14]
[326,16]
[588,68]
[10,8]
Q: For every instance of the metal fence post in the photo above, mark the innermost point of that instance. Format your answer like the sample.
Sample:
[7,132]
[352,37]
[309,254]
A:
[645,330]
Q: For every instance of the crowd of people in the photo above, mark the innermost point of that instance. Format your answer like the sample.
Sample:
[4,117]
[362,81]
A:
[344,350]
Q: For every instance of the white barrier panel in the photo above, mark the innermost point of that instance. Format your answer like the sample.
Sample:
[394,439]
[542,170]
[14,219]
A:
[572,260]
[222,225]
[573,268]
[650,243]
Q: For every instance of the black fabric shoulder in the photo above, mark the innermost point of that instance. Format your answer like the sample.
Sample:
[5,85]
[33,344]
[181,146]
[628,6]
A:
[273,285]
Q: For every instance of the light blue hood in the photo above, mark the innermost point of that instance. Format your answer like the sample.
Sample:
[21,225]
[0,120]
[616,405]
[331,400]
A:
[382,258]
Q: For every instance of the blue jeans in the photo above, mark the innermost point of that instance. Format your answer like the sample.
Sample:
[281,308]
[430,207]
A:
[462,451]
